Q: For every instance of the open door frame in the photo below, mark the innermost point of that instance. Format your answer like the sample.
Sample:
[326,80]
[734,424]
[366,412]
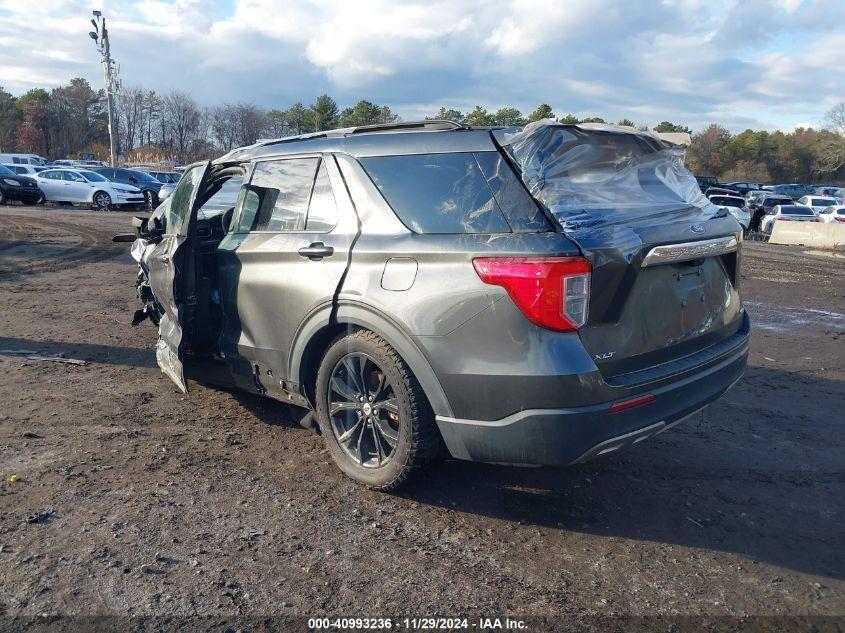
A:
[173,271]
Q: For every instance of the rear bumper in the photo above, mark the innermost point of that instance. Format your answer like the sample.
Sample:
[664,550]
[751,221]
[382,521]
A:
[572,435]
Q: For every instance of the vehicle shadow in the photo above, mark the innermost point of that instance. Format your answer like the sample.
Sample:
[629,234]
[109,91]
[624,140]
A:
[109,354]
[766,482]
[269,411]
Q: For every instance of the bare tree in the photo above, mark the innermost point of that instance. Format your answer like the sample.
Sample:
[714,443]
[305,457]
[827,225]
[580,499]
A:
[181,119]
[130,118]
[831,150]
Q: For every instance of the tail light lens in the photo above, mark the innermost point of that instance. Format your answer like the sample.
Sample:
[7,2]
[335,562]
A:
[552,292]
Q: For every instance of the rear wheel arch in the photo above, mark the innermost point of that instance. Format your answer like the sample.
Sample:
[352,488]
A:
[319,330]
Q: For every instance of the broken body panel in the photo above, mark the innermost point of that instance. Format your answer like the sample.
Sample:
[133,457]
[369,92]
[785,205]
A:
[663,315]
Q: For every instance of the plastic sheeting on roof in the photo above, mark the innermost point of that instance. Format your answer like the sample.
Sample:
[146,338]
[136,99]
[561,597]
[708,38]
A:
[593,175]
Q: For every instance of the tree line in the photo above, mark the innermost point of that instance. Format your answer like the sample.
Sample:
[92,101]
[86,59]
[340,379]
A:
[69,120]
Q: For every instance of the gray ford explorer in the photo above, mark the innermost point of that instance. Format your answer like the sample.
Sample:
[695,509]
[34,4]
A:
[540,295]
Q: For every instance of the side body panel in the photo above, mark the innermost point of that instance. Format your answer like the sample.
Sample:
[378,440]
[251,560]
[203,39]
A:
[267,288]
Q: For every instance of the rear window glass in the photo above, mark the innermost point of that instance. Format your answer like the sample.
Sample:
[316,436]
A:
[724,201]
[796,210]
[822,202]
[455,193]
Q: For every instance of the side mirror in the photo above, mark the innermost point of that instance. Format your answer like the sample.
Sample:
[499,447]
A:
[133,180]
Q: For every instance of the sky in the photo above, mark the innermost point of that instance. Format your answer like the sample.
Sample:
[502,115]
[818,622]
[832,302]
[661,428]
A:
[772,64]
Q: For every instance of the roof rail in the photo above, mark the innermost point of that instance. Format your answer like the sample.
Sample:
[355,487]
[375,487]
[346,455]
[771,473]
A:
[430,124]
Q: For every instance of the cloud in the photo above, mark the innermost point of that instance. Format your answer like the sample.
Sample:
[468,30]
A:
[743,62]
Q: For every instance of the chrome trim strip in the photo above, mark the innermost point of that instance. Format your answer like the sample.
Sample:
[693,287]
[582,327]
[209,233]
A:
[672,253]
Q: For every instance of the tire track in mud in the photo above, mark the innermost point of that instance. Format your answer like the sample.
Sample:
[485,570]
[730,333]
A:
[29,246]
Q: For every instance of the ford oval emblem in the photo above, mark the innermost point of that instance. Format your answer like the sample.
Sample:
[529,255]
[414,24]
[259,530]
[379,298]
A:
[698,229]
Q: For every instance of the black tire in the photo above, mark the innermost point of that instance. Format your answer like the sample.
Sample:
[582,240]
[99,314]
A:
[417,440]
[102,201]
[41,200]
[150,200]
[3,197]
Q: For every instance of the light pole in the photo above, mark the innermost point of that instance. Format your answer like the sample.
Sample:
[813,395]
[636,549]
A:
[100,35]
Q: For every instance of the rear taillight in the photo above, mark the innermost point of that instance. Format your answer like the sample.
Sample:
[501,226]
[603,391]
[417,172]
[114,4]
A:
[552,292]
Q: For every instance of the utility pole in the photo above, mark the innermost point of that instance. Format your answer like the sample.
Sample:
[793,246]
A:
[100,35]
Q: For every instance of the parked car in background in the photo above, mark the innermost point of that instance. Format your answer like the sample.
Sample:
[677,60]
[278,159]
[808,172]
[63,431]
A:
[87,187]
[735,205]
[794,191]
[835,213]
[824,190]
[787,213]
[320,282]
[720,191]
[24,170]
[742,187]
[165,191]
[148,185]
[755,194]
[23,159]
[817,203]
[705,182]
[760,206]
[17,187]
[166,177]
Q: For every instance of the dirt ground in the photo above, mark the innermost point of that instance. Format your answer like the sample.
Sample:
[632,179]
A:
[144,501]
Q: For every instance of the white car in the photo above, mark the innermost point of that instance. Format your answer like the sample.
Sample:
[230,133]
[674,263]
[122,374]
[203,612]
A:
[834,213]
[24,170]
[166,190]
[735,205]
[89,187]
[817,202]
[23,159]
[787,213]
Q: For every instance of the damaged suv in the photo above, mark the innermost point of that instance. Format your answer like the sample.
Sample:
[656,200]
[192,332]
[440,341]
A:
[528,296]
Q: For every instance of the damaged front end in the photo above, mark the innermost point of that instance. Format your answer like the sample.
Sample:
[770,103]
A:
[149,232]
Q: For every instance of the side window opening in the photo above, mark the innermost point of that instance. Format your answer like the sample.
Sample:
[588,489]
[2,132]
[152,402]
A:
[322,210]
[455,193]
[276,198]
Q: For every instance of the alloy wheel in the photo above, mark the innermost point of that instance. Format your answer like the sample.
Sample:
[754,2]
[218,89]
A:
[103,201]
[363,411]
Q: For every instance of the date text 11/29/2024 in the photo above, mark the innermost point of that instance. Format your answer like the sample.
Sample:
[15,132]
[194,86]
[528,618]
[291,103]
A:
[416,624]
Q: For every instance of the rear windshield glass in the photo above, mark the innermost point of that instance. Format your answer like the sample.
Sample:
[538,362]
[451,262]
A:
[796,210]
[455,193]
[724,201]
[822,202]
[773,202]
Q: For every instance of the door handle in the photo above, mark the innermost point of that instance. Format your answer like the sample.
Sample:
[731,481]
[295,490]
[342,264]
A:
[316,251]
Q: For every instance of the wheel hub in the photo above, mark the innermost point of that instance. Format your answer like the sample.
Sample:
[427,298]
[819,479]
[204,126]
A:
[360,404]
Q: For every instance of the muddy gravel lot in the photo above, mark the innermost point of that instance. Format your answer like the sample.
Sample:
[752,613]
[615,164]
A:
[133,499]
